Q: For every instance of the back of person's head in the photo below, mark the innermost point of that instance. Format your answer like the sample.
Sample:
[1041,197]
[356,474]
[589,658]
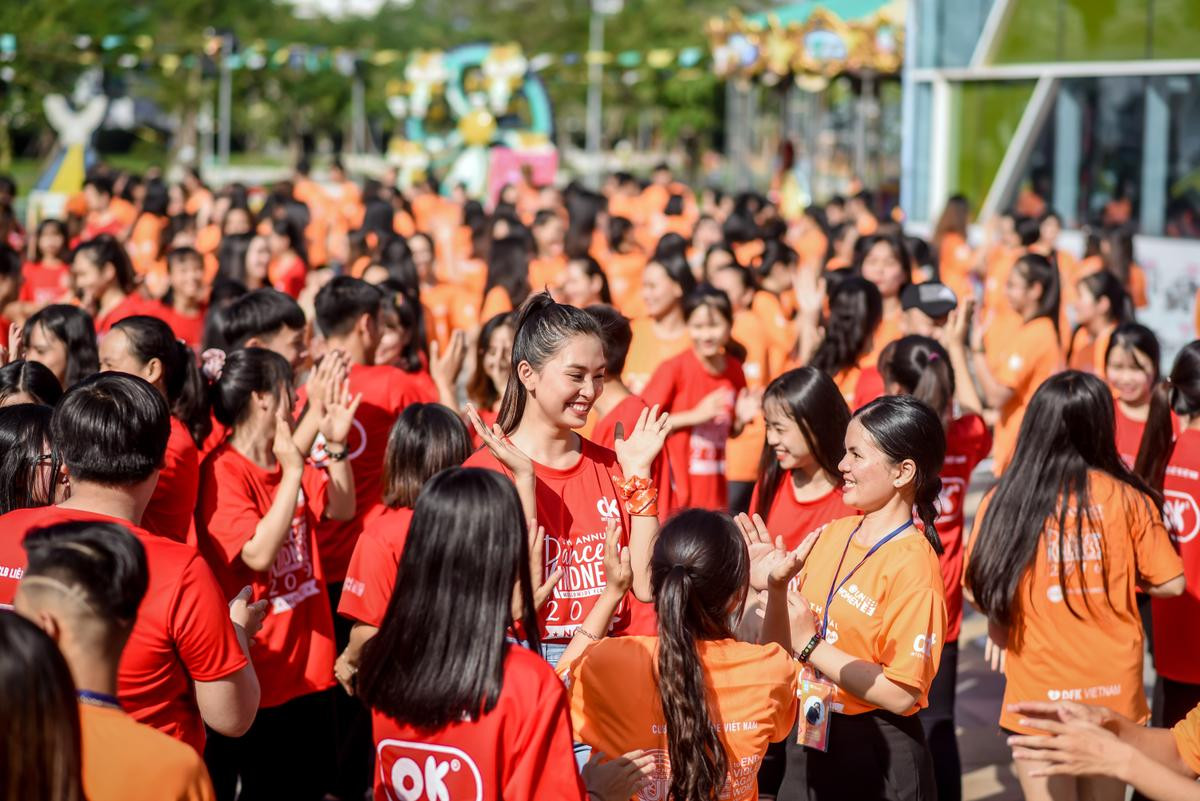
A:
[100,182]
[855,311]
[439,655]
[542,329]
[808,397]
[261,313]
[1036,269]
[1179,395]
[29,382]
[95,573]
[40,740]
[1028,230]
[342,302]
[699,572]
[919,366]
[670,246]
[1067,434]
[426,439]
[776,253]
[111,429]
[619,229]
[151,340]
[245,372]
[106,250]
[29,467]
[904,428]
[617,335]
[73,327]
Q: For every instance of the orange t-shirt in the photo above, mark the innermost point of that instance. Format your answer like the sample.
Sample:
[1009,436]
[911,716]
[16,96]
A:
[495,302]
[888,332]
[1137,279]
[891,612]
[1187,739]
[624,273]
[954,263]
[545,273]
[449,308]
[811,247]
[1103,666]
[124,760]
[647,351]
[143,244]
[1087,352]
[615,705]
[779,330]
[859,385]
[1031,357]
[743,451]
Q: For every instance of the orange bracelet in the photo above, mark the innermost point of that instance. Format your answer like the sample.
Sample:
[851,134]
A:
[639,494]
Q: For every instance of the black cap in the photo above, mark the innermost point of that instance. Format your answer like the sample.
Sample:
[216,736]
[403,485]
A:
[934,299]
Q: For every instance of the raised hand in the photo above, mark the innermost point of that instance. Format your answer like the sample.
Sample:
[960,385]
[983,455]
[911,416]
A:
[747,406]
[249,616]
[809,287]
[284,447]
[618,569]
[445,367]
[340,408]
[494,440]
[637,452]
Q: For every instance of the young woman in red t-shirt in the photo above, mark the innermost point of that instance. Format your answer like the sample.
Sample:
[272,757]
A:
[425,439]
[493,352]
[705,391]
[45,279]
[103,280]
[256,525]
[1131,368]
[556,373]
[799,488]
[921,367]
[146,347]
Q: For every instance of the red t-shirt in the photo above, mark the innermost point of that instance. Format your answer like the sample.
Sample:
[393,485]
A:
[133,304]
[42,284]
[293,653]
[697,453]
[868,388]
[188,327]
[385,392]
[291,277]
[172,508]
[1177,620]
[574,506]
[521,749]
[794,520]
[372,572]
[968,442]
[182,634]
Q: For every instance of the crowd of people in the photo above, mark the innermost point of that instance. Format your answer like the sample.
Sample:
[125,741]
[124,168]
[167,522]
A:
[329,488]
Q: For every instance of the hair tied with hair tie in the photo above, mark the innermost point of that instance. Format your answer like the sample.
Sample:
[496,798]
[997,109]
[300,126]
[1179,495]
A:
[212,362]
[933,357]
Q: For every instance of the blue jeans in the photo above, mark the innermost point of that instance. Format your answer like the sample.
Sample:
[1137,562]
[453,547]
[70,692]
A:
[551,652]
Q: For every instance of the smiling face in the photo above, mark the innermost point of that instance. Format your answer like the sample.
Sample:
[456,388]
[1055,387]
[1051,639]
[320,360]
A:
[786,439]
[884,270]
[1130,373]
[567,385]
[89,278]
[869,478]
[659,293]
[116,356]
[709,331]
[187,279]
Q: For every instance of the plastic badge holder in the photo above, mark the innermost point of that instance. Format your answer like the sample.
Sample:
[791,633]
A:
[816,698]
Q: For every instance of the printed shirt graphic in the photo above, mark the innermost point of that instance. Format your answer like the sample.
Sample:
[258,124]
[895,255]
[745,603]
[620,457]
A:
[891,612]
[385,392]
[372,572]
[1103,666]
[615,706]
[697,453]
[1177,620]
[574,507]
[293,653]
[520,750]
[182,634]
[967,443]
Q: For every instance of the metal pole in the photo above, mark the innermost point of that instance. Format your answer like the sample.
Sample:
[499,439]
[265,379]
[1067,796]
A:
[595,88]
[226,98]
[358,102]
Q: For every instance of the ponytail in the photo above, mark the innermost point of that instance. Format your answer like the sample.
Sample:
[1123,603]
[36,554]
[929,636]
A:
[151,338]
[694,588]
[542,329]
[920,367]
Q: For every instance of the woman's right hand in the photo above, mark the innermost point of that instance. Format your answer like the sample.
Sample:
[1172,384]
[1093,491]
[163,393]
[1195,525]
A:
[284,447]
[505,452]
[617,779]
[618,569]
[246,615]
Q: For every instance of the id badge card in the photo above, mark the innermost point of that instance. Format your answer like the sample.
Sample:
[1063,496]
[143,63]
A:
[816,708]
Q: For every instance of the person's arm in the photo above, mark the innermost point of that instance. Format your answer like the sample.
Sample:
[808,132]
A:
[259,552]
[636,457]
[995,394]
[618,574]
[1171,588]
[707,409]
[956,345]
[517,463]
[346,667]
[340,409]
[228,705]
[745,409]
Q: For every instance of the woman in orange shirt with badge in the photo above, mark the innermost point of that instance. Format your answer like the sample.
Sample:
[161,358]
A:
[663,332]
[870,621]
[1011,373]
[1045,574]
[1132,372]
[800,485]
[1101,304]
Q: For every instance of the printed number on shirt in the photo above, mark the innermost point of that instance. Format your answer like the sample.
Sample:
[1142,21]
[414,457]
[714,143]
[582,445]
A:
[291,575]
[425,772]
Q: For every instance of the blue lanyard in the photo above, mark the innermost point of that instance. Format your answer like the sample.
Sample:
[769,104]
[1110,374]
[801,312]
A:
[837,585]
[98,699]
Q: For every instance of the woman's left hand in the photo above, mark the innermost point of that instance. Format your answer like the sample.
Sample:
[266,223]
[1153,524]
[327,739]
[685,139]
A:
[803,620]
[637,452]
[340,408]
[505,452]
[1076,748]
[747,406]
[618,568]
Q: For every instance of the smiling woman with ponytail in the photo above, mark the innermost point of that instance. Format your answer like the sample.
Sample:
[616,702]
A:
[706,705]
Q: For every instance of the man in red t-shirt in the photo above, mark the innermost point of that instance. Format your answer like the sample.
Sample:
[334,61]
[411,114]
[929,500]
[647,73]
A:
[185,665]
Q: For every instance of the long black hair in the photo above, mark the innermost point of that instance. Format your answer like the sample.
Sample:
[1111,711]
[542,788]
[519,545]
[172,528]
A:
[541,330]
[31,378]
[699,572]
[508,268]
[425,439]
[439,655]
[855,311]
[74,328]
[1103,285]
[905,428]
[246,371]
[920,367]
[105,250]
[24,440]
[1180,394]
[1037,269]
[1067,434]
[810,398]
[151,338]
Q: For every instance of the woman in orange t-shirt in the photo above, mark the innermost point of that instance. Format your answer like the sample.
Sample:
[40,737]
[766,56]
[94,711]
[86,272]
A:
[875,620]
[145,245]
[1101,304]
[955,256]
[623,264]
[1116,256]
[884,260]
[855,311]
[584,284]
[1047,576]
[1013,370]
[704,705]
[662,333]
